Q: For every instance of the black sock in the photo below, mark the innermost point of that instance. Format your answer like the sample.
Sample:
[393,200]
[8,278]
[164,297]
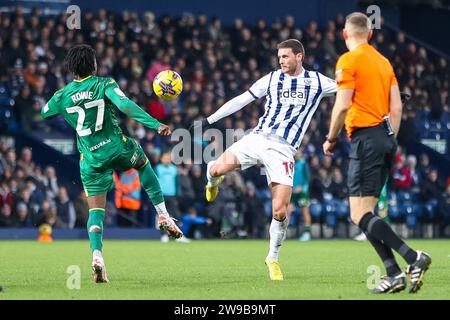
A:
[386,255]
[381,231]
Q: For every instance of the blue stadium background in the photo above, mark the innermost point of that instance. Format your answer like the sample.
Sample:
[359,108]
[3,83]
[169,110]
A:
[418,207]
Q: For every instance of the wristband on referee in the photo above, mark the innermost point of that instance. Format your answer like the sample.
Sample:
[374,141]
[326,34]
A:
[332,140]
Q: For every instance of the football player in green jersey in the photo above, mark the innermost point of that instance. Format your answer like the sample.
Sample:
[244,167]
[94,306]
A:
[88,104]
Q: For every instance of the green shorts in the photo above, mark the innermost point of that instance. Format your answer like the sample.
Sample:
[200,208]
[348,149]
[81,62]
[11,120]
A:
[300,199]
[383,200]
[100,180]
[382,204]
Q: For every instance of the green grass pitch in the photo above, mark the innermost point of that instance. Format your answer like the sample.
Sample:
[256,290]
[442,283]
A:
[218,269]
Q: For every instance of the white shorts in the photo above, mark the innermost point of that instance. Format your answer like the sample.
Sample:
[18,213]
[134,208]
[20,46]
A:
[270,150]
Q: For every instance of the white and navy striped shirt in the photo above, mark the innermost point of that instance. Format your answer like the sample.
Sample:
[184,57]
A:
[291,102]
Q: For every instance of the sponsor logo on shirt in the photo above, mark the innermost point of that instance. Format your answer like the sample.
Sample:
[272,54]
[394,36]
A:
[99,145]
[292,97]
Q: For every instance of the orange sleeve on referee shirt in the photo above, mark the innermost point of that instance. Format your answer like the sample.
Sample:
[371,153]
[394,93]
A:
[345,72]
[393,78]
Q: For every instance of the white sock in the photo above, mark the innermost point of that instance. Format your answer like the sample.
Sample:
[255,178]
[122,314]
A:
[97,254]
[212,180]
[161,209]
[277,233]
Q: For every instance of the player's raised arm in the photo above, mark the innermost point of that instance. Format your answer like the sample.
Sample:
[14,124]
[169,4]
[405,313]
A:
[235,104]
[256,91]
[51,108]
[131,109]
[329,86]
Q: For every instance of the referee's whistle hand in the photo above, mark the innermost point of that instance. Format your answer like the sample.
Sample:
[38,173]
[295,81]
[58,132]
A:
[328,147]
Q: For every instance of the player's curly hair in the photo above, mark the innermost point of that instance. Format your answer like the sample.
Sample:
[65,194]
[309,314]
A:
[80,60]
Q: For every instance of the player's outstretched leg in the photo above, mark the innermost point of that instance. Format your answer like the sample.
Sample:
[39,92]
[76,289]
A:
[150,183]
[95,232]
[167,223]
[212,187]
[215,172]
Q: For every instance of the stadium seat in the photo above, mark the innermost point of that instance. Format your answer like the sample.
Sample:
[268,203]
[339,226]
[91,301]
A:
[392,198]
[329,212]
[430,210]
[7,121]
[411,221]
[437,126]
[331,220]
[415,209]
[329,207]
[404,197]
[268,208]
[415,195]
[407,209]
[437,136]
[394,212]
[316,210]
[295,217]
[342,209]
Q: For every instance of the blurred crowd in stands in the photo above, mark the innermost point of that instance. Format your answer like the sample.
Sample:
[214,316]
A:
[31,195]
[216,63]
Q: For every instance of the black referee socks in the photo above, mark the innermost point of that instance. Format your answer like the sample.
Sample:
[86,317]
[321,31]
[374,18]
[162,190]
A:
[386,255]
[373,226]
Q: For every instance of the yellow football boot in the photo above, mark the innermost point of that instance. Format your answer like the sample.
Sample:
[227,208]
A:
[213,191]
[274,270]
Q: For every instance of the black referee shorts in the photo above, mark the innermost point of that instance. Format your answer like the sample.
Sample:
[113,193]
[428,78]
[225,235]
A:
[371,156]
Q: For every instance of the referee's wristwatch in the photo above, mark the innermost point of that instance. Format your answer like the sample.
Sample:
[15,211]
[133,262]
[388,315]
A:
[334,140]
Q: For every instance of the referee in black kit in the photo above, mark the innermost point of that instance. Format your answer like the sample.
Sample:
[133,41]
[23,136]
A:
[368,102]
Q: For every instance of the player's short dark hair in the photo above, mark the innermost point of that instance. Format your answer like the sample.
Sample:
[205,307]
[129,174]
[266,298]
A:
[80,60]
[294,44]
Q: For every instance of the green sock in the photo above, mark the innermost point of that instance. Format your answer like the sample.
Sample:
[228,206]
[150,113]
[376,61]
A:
[95,228]
[149,181]
[307,228]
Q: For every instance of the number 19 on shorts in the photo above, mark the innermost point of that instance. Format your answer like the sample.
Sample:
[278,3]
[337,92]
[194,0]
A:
[289,168]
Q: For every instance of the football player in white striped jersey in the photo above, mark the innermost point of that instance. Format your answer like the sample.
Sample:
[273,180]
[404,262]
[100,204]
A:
[292,96]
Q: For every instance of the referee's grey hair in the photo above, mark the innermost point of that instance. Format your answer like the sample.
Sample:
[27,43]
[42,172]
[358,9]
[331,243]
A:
[360,23]
[294,44]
